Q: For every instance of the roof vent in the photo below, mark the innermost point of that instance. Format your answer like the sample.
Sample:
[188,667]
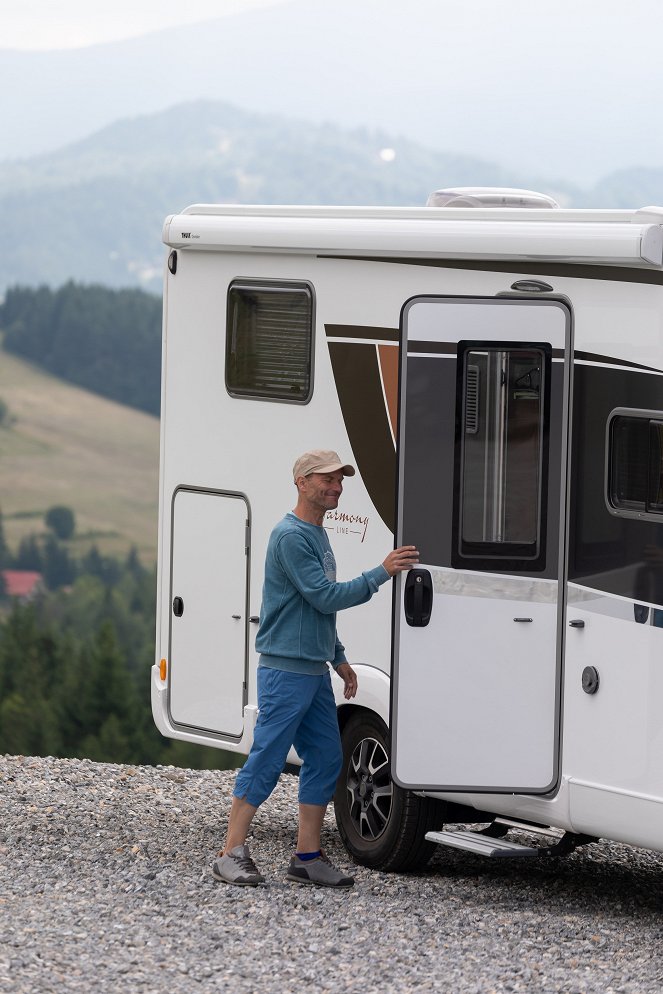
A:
[489,196]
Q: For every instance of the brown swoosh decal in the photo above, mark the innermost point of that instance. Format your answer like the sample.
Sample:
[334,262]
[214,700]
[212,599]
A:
[364,378]
[388,356]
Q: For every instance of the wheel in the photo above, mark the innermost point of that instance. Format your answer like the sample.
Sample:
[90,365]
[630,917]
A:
[382,826]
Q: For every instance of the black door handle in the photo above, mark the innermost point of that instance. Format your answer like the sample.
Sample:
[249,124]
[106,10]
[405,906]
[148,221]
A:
[418,598]
[178,607]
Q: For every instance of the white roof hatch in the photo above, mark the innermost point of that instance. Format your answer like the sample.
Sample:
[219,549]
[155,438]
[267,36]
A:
[490,196]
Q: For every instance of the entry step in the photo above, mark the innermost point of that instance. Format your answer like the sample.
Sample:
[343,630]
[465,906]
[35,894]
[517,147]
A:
[490,843]
[483,845]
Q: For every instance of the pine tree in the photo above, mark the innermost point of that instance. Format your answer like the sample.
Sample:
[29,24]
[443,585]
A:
[5,554]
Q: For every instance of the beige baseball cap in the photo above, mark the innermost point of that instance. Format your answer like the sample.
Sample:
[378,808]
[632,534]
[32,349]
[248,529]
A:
[320,461]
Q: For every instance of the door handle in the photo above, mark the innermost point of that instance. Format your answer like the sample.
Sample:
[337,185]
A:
[418,598]
[577,623]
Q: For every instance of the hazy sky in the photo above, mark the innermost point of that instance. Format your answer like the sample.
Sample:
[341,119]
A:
[42,24]
[559,88]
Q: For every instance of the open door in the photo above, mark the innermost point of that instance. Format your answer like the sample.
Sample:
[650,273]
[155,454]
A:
[209,611]
[477,627]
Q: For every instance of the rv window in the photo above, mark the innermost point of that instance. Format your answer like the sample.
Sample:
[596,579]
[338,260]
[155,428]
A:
[500,446]
[635,463]
[269,339]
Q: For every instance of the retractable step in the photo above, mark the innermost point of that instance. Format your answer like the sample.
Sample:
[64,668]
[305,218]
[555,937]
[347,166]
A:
[484,843]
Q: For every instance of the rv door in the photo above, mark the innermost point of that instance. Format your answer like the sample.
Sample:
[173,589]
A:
[477,627]
[209,612]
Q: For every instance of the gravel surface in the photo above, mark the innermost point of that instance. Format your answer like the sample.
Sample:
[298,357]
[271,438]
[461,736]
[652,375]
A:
[105,886]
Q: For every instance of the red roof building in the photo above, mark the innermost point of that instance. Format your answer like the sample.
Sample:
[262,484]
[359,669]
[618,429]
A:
[23,584]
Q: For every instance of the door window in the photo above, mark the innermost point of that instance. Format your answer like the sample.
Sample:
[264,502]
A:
[501,456]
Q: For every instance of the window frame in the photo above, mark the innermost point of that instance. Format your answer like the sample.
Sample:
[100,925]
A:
[501,556]
[634,414]
[271,285]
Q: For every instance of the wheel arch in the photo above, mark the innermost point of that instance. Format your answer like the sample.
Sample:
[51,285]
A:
[347,711]
[372,695]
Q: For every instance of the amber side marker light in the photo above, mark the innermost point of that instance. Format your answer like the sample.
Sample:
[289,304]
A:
[163,669]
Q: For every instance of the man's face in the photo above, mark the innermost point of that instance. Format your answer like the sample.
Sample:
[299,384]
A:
[322,490]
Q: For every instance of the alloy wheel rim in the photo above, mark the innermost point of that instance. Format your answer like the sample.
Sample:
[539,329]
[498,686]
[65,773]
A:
[370,790]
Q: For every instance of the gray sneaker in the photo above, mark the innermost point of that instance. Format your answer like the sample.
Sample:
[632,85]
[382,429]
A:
[237,867]
[319,871]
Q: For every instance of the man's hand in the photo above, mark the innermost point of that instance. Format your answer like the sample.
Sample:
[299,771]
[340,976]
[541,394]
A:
[349,678]
[401,559]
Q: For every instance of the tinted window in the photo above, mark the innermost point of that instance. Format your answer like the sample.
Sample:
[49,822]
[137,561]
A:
[269,340]
[635,463]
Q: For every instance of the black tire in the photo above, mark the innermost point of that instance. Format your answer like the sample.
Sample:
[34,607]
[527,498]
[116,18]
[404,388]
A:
[382,826]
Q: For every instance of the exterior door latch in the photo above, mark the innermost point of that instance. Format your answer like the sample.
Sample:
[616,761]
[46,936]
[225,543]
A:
[418,598]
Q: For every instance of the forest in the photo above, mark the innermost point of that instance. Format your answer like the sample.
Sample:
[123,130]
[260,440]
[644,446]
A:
[108,341]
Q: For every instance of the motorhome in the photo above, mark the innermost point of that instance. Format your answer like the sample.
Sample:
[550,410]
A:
[492,363]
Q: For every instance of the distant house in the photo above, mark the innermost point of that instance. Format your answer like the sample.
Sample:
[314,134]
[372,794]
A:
[23,584]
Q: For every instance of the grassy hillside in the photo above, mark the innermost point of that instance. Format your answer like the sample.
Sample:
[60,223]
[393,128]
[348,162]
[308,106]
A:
[63,445]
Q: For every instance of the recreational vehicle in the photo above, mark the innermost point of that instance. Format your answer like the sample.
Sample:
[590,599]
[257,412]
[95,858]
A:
[493,366]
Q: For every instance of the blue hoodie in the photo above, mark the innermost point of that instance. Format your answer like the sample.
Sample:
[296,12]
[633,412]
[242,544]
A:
[301,596]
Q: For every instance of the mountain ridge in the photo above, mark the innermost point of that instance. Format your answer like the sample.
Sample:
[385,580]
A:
[93,210]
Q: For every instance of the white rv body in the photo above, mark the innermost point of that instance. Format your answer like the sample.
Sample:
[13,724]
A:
[535,690]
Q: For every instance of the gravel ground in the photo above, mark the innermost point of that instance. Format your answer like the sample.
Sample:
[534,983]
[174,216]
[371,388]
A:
[105,885]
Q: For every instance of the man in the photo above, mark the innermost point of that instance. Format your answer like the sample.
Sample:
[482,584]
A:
[296,639]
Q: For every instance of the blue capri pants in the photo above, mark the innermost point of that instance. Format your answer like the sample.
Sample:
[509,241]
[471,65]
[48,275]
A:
[294,709]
